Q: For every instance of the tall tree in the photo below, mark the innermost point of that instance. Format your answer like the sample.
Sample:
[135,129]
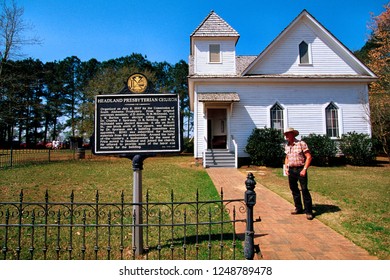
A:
[379,61]
[179,74]
[22,88]
[69,71]
[54,104]
[30,85]
[110,78]
[12,32]
[12,37]
[84,121]
[379,54]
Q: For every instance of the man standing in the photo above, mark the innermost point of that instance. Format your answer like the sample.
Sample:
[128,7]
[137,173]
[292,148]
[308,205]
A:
[298,159]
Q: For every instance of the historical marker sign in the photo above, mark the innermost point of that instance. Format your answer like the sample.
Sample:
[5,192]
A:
[137,124]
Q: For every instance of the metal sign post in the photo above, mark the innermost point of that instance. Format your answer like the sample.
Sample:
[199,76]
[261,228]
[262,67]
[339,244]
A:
[137,207]
[137,231]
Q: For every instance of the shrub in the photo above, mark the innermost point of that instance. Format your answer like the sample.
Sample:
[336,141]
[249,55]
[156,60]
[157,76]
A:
[358,148]
[321,147]
[188,145]
[265,147]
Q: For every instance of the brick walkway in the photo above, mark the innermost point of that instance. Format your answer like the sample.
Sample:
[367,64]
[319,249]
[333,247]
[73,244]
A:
[280,235]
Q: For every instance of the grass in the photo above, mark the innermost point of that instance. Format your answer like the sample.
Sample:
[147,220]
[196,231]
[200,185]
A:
[108,175]
[161,176]
[350,199]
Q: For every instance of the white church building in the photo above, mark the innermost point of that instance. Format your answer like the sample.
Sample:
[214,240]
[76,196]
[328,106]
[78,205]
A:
[305,79]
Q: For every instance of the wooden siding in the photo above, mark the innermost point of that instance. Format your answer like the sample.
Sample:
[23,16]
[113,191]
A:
[201,131]
[204,67]
[304,106]
[326,56]
[355,119]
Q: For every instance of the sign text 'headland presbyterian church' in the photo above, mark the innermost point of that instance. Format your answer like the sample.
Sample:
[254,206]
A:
[137,123]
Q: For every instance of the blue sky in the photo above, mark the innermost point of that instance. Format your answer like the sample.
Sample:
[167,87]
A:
[160,29]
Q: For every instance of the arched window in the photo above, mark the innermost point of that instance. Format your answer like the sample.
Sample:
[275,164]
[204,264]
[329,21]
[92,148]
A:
[332,120]
[277,120]
[304,53]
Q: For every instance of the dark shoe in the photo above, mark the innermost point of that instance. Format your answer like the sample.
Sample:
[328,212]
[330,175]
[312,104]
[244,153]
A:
[309,216]
[296,212]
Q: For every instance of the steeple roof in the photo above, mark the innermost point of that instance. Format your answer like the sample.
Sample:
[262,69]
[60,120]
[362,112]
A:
[214,26]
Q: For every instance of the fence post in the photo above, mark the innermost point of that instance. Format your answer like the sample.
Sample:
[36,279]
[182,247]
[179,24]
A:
[250,201]
[11,156]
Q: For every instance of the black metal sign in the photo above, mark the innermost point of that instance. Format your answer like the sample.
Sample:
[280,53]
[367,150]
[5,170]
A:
[137,123]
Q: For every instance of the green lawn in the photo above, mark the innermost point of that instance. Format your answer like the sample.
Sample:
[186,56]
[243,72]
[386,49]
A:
[109,176]
[352,200]
[163,177]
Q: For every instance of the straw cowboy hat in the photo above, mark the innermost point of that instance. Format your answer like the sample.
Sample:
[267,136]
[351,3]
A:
[290,129]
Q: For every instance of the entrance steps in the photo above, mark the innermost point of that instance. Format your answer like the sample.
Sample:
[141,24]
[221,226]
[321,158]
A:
[219,158]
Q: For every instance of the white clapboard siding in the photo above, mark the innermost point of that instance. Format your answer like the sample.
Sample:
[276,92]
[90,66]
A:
[201,132]
[304,106]
[355,119]
[327,58]
[227,65]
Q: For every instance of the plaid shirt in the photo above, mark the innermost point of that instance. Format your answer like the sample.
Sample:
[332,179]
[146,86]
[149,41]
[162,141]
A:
[295,153]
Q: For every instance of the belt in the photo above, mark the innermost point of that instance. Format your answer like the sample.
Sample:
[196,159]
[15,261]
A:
[296,167]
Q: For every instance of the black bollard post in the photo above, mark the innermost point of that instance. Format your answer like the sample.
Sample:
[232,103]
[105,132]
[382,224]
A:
[250,201]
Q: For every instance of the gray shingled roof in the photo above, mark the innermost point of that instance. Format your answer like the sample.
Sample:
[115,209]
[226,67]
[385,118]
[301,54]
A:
[214,25]
[242,62]
[218,97]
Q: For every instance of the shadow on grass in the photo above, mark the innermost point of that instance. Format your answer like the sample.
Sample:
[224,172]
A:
[202,238]
[325,208]
[208,247]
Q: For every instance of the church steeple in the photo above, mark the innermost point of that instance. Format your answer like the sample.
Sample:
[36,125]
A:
[212,47]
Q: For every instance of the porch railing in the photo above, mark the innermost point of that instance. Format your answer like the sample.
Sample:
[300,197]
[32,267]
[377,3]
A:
[235,151]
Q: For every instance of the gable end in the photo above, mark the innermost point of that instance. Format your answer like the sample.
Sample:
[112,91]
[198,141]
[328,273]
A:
[320,49]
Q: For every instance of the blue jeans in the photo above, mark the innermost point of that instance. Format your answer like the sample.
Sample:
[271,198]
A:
[293,179]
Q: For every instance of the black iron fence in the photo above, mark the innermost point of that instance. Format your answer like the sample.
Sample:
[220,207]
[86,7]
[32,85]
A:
[17,157]
[98,230]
